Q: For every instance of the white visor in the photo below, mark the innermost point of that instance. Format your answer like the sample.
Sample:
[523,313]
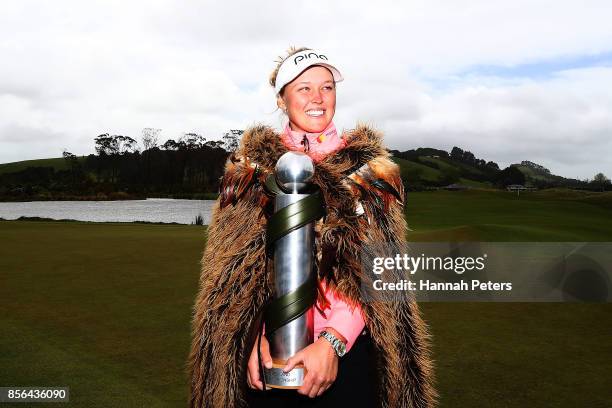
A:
[297,63]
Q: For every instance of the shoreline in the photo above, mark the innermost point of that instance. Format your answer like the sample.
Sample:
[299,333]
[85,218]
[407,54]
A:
[44,219]
[113,197]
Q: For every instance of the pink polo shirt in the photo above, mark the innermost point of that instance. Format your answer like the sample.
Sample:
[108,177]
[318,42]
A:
[339,315]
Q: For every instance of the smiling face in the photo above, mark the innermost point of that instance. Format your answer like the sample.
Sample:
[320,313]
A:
[310,100]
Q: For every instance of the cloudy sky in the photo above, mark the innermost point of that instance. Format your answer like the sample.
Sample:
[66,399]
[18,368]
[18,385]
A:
[507,80]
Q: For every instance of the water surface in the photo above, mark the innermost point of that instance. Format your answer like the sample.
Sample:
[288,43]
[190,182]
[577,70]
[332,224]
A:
[151,209]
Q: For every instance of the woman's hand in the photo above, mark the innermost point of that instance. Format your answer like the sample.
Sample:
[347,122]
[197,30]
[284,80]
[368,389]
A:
[253,374]
[321,364]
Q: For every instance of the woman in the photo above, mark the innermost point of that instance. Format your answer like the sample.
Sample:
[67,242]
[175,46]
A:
[363,197]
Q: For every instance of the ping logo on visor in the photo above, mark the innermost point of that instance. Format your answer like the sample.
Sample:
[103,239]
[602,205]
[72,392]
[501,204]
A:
[299,57]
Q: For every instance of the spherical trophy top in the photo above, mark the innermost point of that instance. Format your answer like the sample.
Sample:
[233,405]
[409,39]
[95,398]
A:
[294,170]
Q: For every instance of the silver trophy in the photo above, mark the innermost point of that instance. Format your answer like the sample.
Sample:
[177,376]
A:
[293,268]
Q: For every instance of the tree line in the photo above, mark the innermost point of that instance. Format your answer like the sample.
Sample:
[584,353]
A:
[463,164]
[189,167]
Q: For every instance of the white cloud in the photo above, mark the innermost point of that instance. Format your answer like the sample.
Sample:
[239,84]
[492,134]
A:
[71,70]
[562,123]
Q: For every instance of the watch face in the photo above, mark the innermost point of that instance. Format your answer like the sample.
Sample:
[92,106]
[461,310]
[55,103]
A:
[341,349]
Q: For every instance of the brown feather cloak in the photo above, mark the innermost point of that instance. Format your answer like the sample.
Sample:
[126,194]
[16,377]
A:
[363,196]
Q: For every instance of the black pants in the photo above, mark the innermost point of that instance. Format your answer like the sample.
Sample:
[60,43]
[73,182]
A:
[355,384]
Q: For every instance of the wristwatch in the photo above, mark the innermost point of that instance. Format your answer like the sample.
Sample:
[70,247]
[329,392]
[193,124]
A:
[338,346]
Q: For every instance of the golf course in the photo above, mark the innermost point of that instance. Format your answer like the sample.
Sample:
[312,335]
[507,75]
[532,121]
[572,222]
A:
[105,308]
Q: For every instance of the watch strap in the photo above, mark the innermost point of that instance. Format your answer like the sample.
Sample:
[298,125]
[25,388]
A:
[335,342]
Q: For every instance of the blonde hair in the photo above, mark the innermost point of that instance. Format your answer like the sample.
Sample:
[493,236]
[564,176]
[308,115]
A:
[291,51]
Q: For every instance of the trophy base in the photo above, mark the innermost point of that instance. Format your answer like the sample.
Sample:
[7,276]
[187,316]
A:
[277,378]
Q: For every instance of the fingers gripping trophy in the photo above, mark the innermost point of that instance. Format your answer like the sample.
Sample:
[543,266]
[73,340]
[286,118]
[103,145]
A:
[289,317]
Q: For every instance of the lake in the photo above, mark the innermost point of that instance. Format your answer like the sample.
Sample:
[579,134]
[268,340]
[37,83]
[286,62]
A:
[151,209]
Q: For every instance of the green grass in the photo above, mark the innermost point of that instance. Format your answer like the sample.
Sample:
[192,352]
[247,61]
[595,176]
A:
[440,163]
[101,308]
[460,165]
[489,215]
[445,163]
[522,354]
[409,168]
[105,309]
[58,163]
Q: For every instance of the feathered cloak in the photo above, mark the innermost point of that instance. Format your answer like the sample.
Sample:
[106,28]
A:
[363,196]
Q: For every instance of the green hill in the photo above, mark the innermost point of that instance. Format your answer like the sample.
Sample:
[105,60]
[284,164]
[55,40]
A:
[462,167]
[421,169]
[531,174]
[410,169]
[447,163]
[540,176]
[58,163]
[430,171]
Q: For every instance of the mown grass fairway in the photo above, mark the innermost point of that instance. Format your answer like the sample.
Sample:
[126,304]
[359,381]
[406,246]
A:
[491,215]
[101,308]
[105,309]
